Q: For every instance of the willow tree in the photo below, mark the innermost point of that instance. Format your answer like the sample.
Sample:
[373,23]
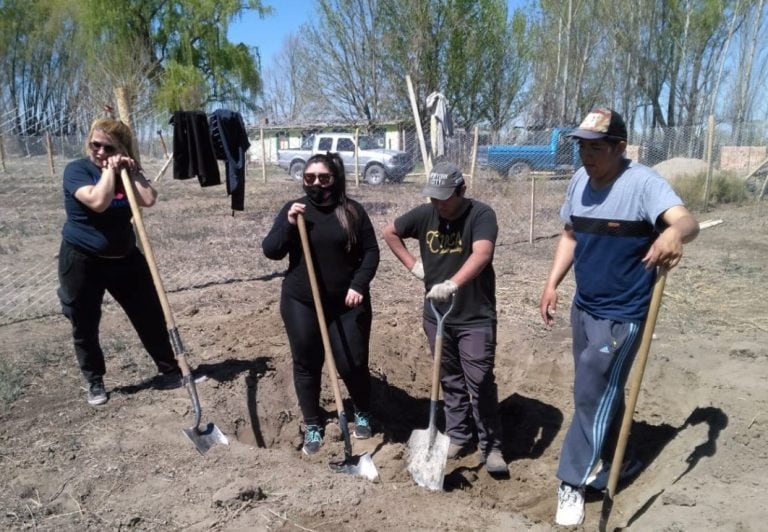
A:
[177,49]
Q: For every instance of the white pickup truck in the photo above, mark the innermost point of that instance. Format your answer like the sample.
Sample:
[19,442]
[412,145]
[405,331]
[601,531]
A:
[375,164]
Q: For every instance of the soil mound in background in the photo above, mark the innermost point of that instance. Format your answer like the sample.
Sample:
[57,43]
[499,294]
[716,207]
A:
[678,167]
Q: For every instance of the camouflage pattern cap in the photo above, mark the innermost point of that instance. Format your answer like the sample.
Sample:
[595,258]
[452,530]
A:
[601,122]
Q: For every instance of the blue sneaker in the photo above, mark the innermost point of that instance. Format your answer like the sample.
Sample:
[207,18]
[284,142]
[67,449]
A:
[313,439]
[362,426]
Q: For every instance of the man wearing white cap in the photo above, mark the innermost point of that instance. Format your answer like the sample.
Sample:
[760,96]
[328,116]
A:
[457,236]
[622,220]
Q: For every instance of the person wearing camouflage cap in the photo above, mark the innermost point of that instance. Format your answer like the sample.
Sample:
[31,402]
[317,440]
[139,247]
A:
[622,220]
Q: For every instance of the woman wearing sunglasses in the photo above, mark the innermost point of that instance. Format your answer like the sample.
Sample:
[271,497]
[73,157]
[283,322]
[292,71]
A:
[98,253]
[345,255]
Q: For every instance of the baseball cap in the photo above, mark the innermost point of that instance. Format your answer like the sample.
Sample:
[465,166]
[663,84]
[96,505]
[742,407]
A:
[601,122]
[443,180]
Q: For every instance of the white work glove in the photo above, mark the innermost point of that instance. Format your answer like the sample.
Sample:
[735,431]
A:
[418,270]
[442,291]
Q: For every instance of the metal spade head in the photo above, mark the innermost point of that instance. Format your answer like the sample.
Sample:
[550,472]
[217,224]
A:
[206,438]
[428,455]
[357,465]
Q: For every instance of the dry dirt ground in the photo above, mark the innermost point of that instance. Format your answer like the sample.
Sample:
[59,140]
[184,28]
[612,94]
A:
[701,422]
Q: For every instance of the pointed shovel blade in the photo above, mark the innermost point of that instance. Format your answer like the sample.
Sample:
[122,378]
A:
[206,438]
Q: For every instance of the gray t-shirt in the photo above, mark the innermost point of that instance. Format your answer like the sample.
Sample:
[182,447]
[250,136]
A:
[614,227]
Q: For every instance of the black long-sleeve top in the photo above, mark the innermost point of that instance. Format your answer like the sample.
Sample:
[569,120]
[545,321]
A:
[337,269]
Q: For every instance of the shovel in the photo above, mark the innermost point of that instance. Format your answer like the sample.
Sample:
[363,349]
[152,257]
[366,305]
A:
[634,391]
[428,449]
[352,465]
[203,439]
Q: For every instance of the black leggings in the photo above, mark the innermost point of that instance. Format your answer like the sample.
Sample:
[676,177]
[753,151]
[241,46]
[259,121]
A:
[349,331]
[83,280]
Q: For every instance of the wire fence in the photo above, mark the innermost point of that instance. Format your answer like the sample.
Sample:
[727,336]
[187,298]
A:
[200,243]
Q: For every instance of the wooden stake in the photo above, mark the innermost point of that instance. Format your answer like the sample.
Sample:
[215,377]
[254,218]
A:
[263,155]
[163,169]
[2,155]
[49,150]
[474,159]
[357,156]
[419,131]
[533,207]
[710,156]
[123,97]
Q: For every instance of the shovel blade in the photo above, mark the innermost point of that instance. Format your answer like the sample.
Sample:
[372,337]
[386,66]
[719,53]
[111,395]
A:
[427,459]
[362,466]
[206,438]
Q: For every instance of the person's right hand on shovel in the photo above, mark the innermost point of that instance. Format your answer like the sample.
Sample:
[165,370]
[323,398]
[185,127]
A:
[294,211]
[442,291]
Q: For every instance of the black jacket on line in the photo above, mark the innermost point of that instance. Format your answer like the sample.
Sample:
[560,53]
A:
[193,154]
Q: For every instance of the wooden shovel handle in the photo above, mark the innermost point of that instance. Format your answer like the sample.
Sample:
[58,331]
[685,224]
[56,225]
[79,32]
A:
[329,361]
[147,248]
[634,391]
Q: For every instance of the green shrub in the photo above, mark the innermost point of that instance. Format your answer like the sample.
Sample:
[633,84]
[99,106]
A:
[724,188]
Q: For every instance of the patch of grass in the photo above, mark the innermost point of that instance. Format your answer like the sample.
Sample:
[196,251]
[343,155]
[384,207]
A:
[724,188]
[11,382]
[44,355]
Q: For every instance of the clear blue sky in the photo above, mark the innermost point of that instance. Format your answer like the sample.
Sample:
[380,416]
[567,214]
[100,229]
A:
[269,33]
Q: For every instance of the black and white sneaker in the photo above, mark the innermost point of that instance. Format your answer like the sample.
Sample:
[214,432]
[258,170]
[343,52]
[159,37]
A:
[97,393]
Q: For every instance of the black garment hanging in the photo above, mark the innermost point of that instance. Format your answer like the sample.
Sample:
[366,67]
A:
[230,142]
[193,154]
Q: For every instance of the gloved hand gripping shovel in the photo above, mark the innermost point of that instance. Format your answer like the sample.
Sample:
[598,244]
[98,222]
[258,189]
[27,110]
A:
[352,465]
[634,391]
[205,438]
[428,449]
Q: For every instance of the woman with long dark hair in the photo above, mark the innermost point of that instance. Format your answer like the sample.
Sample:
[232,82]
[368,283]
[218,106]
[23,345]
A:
[345,254]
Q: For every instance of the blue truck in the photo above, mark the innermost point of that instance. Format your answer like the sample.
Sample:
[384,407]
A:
[534,151]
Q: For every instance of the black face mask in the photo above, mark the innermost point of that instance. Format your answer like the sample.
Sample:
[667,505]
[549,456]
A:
[322,197]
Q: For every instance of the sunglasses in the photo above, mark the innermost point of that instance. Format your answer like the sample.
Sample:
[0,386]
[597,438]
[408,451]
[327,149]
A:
[324,178]
[108,148]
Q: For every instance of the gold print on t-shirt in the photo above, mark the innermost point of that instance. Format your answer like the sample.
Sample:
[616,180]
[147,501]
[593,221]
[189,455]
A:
[440,243]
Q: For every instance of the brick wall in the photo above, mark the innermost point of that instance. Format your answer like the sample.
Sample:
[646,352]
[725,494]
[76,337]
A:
[741,158]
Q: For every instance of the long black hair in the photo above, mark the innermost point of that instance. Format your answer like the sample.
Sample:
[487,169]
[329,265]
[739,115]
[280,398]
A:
[346,214]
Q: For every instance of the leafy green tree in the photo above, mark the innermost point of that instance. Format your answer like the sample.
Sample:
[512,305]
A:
[179,46]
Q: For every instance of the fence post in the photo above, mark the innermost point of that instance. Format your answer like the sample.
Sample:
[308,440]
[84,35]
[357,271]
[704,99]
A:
[357,157]
[710,157]
[474,159]
[263,155]
[2,155]
[49,150]
[533,206]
